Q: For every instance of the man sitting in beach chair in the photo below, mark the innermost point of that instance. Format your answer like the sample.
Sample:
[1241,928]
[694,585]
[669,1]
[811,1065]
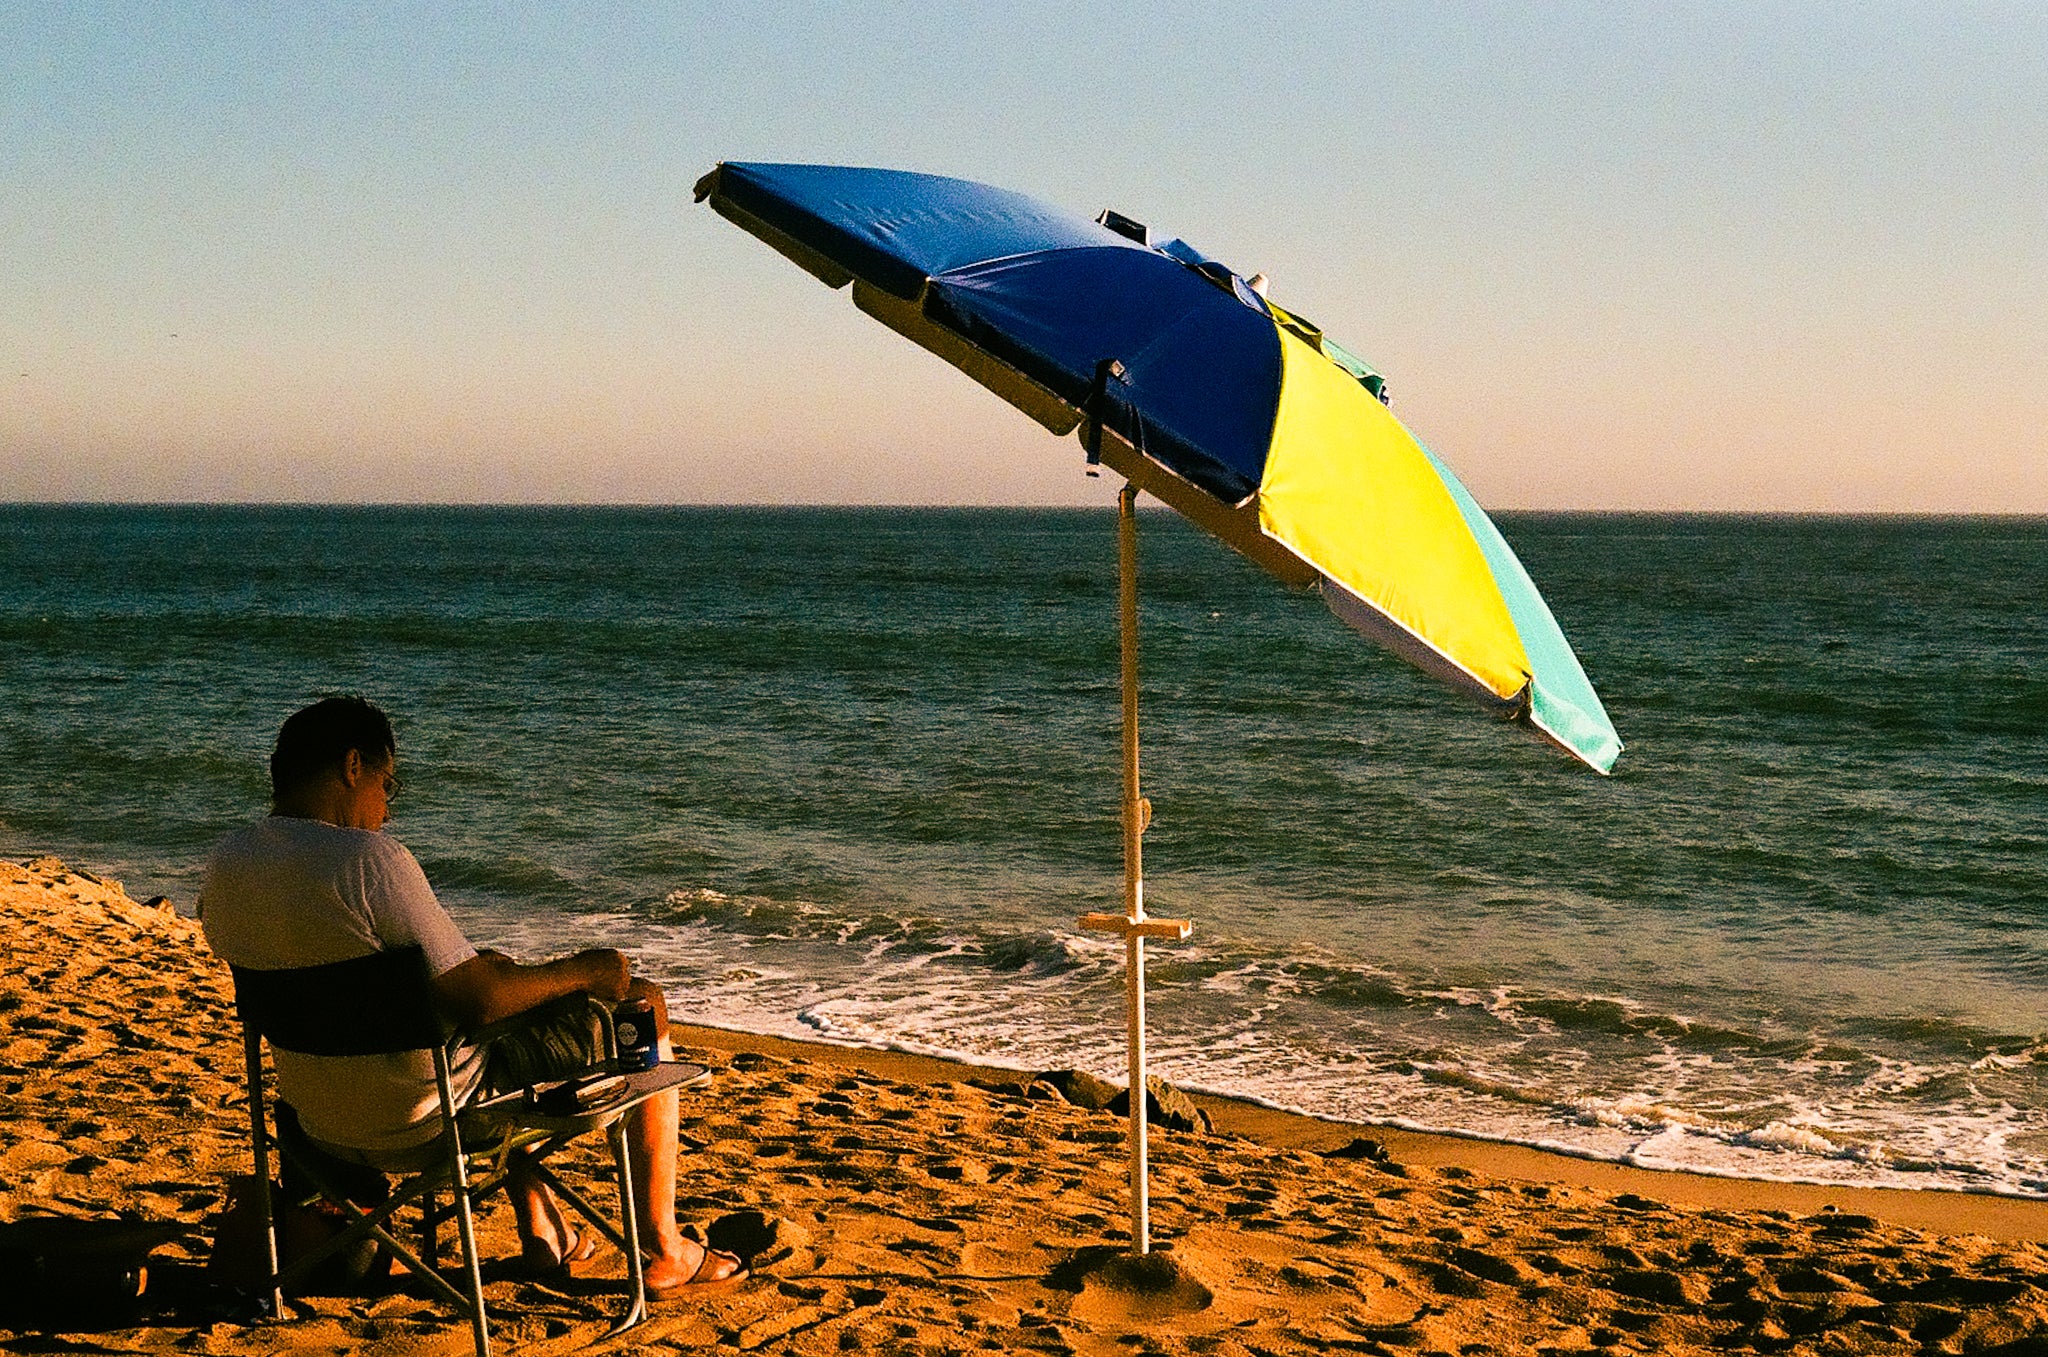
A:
[317,882]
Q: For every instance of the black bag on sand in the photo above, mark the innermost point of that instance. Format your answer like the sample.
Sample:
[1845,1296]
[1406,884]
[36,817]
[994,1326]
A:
[72,1273]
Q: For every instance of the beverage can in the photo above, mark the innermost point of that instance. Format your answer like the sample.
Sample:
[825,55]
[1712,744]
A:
[633,1022]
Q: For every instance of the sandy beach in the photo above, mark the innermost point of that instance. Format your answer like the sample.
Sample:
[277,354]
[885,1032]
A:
[900,1204]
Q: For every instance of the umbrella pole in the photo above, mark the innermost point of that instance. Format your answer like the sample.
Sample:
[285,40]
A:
[1134,923]
[1135,815]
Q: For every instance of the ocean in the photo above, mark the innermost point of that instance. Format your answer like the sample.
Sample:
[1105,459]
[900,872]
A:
[852,775]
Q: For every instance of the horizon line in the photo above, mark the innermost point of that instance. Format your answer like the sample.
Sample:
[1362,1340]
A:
[1148,506]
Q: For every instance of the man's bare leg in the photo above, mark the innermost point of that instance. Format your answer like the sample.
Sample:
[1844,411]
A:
[547,1239]
[651,1143]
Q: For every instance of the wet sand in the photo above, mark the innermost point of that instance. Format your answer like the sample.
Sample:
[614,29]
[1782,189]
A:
[902,1204]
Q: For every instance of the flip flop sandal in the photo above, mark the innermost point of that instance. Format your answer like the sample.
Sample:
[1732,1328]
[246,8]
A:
[581,1247]
[697,1278]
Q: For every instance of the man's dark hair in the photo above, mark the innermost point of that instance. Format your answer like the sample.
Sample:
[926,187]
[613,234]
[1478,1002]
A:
[317,739]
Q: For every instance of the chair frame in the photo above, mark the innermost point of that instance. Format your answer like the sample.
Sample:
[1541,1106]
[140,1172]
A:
[384,1003]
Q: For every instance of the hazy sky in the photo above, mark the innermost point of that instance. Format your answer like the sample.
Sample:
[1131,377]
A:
[1757,256]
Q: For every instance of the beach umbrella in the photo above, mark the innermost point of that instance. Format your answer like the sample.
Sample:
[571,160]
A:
[1185,380]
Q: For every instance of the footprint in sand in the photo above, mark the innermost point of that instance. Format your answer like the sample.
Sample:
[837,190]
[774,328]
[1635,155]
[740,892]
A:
[972,1171]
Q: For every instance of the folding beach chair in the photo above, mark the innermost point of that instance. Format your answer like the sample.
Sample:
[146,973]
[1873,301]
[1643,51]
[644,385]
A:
[383,1003]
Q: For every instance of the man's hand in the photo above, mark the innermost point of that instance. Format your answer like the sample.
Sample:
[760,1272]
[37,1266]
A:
[608,972]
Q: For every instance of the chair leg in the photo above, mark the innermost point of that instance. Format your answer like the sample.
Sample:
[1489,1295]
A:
[636,1267]
[465,1227]
[430,1229]
[266,1211]
[259,1142]
[458,1188]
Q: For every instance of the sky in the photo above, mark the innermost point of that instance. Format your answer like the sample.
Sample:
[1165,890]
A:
[1782,257]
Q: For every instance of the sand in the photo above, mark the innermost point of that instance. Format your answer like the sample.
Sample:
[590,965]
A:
[911,1205]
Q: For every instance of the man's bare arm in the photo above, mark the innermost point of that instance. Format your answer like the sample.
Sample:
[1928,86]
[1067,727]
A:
[491,986]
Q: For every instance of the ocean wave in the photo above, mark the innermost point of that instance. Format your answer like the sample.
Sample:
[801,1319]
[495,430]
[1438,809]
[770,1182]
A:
[1940,1033]
[517,878]
[880,938]
[1781,1135]
[1045,953]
